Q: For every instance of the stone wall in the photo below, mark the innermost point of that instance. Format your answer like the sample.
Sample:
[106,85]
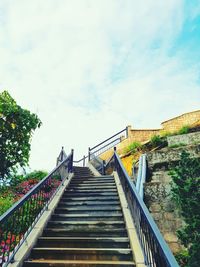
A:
[175,124]
[164,212]
[166,157]
[157,191]
[142,135]
[184,139]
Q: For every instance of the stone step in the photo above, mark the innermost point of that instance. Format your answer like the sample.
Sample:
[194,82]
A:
[88,232]
[85,224]
[81,253]
[83,242]
[77,263]
[100,216]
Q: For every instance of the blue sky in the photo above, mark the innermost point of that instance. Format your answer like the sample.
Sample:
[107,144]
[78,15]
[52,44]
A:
[89,68]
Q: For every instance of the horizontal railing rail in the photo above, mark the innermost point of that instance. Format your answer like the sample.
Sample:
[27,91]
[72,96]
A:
[81,162]
[19,220]
[155,249]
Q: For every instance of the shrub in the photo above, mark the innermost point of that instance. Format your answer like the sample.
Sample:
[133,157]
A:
[182,257]
[184,130]
[186,193]
[157,140]
[5,203]
[166,134]
[38,175]
[135,146]
[177,145]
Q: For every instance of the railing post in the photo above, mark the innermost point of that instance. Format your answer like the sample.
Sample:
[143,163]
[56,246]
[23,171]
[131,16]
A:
[89,153]
[103,167]
[62,153]
[126,131]
[115,150]
[84,161]
[72,158]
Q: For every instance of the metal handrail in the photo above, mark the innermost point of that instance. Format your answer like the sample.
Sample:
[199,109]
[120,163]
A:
[19,220]
[155,249]
[141,177]
[105,146]
[102,148]
[110,138]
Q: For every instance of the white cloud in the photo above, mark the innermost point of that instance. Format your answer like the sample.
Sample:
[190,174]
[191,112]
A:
[89,68]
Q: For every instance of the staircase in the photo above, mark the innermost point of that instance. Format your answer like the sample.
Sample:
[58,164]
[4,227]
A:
[87,228]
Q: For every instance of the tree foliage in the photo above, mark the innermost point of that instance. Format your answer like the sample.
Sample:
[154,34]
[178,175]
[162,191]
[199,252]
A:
[186,193]
[16,128]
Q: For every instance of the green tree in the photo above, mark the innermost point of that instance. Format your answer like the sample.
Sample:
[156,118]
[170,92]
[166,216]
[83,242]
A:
[186,193]
[16,128]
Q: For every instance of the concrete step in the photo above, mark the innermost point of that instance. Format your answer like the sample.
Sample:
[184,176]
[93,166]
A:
[91,182]
[85,224]
[92,187]
[84,205]
[100,216]
[91,190]
[88,232]
[92,178]
[88,194]
[82,253]
[77,263]
[82,209]
[88,212]
[88,203]
[89,198]
[95,182]
[83,242]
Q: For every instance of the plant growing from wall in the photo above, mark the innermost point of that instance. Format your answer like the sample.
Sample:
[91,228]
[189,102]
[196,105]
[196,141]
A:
[16,129]
[184,130]
[157,141]
[133,147]
[186,194]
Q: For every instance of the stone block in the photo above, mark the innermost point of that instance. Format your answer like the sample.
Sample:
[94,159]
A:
[157,216]
[170,237]
[175,247]
[154,208]
[169,216]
